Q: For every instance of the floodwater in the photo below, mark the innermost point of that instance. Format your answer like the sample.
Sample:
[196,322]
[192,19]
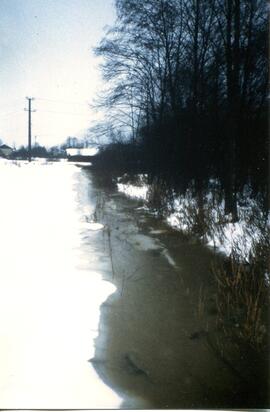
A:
[99,301]
[159,345]
[51,288]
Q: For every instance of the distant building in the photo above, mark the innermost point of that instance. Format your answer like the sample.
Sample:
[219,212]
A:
[72,151]
[87,151]
[5,151]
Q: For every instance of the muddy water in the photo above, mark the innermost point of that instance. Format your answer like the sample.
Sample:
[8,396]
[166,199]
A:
[154,343]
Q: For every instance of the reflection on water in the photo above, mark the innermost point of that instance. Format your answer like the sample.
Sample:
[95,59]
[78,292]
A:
[51,288]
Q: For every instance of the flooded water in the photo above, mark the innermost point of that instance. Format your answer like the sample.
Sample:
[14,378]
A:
[51,289]
[159,346]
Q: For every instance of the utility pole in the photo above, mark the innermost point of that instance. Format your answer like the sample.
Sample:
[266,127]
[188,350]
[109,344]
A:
[29,110]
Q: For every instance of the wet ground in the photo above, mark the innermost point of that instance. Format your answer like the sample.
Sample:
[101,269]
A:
[101,304]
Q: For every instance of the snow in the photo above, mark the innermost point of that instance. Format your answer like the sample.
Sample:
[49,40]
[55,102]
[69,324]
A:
[51,289]
[223,236]
[137,192]
[95,226]
[233,236]
[87,151]
[169,258]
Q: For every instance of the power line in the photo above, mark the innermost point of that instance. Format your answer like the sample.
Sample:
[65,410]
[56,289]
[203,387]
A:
[58,112]
[8,113]
[62,101]
[51,111]
[43,111]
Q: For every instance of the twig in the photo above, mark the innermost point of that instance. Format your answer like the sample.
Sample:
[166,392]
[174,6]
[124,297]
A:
[110,250]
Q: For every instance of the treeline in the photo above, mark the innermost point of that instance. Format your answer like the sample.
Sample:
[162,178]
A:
[38,151]
[187,85]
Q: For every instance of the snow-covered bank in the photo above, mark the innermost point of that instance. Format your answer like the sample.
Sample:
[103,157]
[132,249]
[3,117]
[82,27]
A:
[138,191]
[219,231]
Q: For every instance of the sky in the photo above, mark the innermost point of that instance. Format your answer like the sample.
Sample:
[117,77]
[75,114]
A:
[46,52]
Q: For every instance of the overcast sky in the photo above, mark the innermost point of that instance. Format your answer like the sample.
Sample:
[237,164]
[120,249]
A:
[46,53]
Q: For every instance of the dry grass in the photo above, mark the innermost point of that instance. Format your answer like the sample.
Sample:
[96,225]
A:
[159,197]
[240,339]
[242,301]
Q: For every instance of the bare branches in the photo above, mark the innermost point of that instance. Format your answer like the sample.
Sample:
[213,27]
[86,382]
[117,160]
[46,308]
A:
[185,77]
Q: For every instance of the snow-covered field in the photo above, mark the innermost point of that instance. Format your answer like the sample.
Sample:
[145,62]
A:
[51,289]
